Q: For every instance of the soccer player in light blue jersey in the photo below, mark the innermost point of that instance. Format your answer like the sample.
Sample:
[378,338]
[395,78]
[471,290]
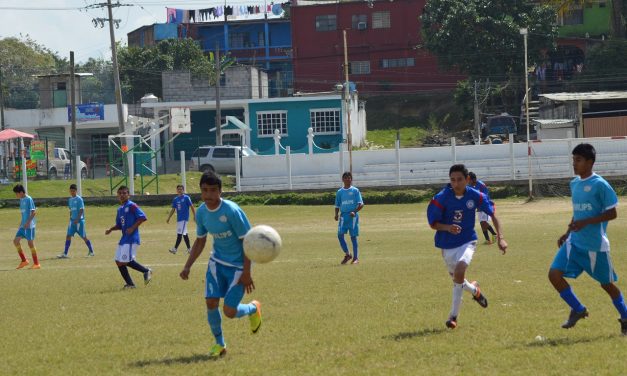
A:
[348,203]
[483,217]
[182,205]
[128,219]
[27,228]
[229,270]
[77,223]
[451,213]
[585,246]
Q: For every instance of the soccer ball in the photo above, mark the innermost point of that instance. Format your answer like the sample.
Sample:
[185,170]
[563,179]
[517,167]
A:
[262,244]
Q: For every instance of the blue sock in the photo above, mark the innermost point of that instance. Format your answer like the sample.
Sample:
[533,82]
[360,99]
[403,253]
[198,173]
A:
[619,303]
[88,242]
[343,244]
[67,247]
[569,297]
[245,310]
[355,247]
[215,323]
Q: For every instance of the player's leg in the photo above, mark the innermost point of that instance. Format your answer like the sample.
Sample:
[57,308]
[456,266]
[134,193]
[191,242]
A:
[18,246]
[68,241]
[133,264]
[566,264]
[122,257]
[213,293]
[450,257]
[484,230]
[341,230]
[354,233]
[30,238]
[82,232]
[185,237]
[604,273]
[233,308]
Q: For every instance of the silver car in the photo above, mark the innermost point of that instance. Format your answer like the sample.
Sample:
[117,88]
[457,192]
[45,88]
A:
[220,159]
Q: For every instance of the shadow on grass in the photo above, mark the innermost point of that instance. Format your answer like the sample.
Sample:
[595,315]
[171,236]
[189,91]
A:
[417,334]
[566,341]
[196,358]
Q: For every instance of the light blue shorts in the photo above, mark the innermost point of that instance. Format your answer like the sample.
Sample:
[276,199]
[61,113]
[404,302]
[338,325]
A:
[78,228]
[348,224]
[26,233]
[223,282]
[572,261]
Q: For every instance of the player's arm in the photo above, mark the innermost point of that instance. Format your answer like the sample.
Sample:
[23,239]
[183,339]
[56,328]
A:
[169,216]
[80,215]
[499,233]
[606,216]
[453,229]
[246,278]
[116,227]
[136,225]
[337,212]
[30,218]
[358,208]
[193,212]
[563,238]
[197,248]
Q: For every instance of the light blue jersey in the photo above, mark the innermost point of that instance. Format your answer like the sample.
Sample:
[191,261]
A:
[76,204]
[27,205]
[227,224]
[591,197]
[348,199]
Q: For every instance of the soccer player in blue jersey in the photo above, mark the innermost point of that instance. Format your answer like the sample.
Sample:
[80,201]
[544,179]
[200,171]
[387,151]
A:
[348,203]
[585,246]
[229,271]
[27,228]
[451,213]
[181,204]
[128,219]
[483,217]
[77,223]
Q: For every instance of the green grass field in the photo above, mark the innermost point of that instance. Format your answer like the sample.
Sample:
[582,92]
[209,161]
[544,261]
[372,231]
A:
[385,316]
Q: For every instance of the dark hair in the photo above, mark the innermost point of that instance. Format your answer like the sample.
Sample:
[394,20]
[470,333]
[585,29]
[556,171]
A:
[123,188]
[472,175]
[347,174]
[180,186]
[585,150]
[19,188]
[210,178]
[73,186]
[458,168]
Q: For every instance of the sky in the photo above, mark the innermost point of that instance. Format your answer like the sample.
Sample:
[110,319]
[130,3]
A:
[60,26]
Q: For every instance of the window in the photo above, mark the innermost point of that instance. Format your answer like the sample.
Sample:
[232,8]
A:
[326,22]
[360,67]
[239,40]
[202,152]
[223,153]
[398,63]
[325,120]
[573,15]
[381,20]
[61,86]
[268,121]
[360,21]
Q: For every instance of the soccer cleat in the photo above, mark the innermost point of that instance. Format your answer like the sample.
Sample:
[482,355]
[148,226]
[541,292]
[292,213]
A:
[173,250]
[217,351]
[346,259]
[128,287]
[355,261]
[35,266]
[90,254]
[574,317]
[189,251]
[147,276]
[63,256]
[255,318]
[479,297]
[623,326]
[488,242]
[22,264]
[451,323]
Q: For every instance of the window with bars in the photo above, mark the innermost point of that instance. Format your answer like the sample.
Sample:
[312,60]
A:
[359,21]
[268,121]
[326,22]
[239,40]
[325,120]
[360,67]
[398,63]
[381,20]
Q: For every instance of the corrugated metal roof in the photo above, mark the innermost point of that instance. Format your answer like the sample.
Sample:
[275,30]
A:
[554,123]
[586,96]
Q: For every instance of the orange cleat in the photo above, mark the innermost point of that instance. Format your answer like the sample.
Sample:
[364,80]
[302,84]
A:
[22,264]
[36,266]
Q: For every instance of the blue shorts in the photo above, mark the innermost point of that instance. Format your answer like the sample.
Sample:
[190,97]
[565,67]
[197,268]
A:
[348,224]
[78,228]
[26,233]
[572,261]
[223,282]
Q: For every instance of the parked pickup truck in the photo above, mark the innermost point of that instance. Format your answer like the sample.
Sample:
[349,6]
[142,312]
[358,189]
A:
[59,164]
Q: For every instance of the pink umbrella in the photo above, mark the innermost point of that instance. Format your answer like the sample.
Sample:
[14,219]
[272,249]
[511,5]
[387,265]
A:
[9,134]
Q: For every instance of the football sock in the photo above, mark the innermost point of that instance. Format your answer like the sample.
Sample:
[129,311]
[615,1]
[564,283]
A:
[127,277]
[245,309]
[33,252]
[343,244]
[485,233]
[458,290]
[178,240]
[186,238]
[137,266]
[491,229]
[469,287]
[619,303]
[215,323]
[569,297]
[88,242]
[355,247]
[67,247]
[20,252]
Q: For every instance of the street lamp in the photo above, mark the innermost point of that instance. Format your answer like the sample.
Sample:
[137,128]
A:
[525,32]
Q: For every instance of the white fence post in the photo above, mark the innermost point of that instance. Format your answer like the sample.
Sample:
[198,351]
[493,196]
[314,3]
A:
[288,157]
[512,171]
[183,171]
[79,183]
[277,142]
[310,138]
[569,167]
[453,151]
[341,152]
[398,162]
[238,178]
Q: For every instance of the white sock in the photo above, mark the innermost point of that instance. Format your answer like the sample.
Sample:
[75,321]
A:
[458,290]
[470,287]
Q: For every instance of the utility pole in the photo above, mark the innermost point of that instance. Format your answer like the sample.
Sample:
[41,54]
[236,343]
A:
[477,119]
[218,110]
[74,143]
[116,72]
[4,148]
[349,134]
[525,33]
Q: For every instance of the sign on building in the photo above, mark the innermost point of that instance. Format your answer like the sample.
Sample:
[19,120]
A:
[87,112]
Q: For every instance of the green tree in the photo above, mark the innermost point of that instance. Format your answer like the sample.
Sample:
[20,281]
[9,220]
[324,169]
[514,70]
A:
[605,67]
[100,86]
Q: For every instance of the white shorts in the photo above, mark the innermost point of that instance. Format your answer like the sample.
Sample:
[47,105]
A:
[483,217]
[181,227]
[463,253]
[126,252]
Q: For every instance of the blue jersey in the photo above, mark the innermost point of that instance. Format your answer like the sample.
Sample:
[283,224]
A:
[591,197]
[128,214]
[27,205]
[182,205]
[447,209]
[227,225]
[76,204]
[481,187]
[348,199]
